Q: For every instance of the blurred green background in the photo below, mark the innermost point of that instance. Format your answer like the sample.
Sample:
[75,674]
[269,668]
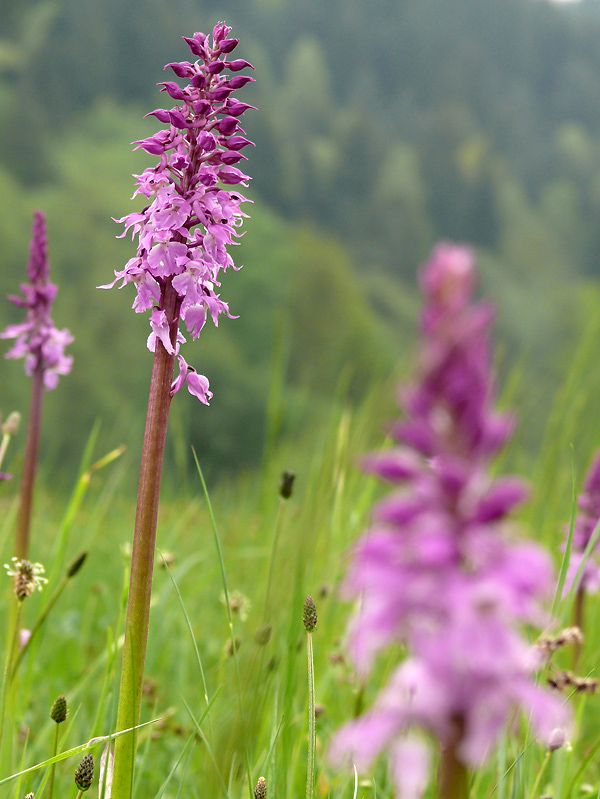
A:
[383,126]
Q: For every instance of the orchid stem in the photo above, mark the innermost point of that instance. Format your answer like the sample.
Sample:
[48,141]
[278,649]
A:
[32,445]
[454,777]
[142,563]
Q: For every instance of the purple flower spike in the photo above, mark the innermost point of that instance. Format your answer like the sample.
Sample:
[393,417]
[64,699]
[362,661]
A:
[435,572]
[194,213]
[37,339]
[587,518]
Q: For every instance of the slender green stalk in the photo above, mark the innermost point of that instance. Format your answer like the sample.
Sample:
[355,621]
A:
[274,545]
[310,770]
[58,713]
[142,559]
[286,488]
[535,792]
[53,766]
[15,620]
[30,459]
[238,680]
[309,619]
[15,617]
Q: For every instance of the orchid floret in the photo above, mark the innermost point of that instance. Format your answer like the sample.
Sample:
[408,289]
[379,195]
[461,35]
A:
[193,211]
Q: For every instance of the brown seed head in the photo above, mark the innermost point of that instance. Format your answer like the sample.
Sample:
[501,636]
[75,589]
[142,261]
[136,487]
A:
[286,484]
[310,614]
[27,575]
[263,635]
[260,789]
[11,425]
[84,773]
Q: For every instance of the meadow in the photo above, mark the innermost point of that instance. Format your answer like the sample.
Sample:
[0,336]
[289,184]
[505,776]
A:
[233,568]
[222,718]
[283,621]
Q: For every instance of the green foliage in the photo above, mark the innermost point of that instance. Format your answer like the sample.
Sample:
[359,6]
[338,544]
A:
[223,714]
[297,290]
[382,127]
[463,122]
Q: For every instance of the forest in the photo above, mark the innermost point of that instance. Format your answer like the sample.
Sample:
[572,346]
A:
[381,129]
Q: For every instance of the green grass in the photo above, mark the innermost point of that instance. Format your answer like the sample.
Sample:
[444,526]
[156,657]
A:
[225,719]
[231,708]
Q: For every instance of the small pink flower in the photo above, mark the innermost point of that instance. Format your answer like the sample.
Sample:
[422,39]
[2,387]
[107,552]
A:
[37,339]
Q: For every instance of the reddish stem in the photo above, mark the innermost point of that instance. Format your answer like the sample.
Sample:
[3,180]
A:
[578,620]
[454,777]
[142,559]
[30,460]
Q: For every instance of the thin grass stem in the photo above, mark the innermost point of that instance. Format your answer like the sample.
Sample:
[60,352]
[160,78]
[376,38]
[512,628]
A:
[535,791]
[229,616]
[272,555]
[310,770]
[53,766]
[15,617]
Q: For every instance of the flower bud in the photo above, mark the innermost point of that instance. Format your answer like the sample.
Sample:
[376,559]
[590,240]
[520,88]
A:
[227,45]
[557,739]
[75,565]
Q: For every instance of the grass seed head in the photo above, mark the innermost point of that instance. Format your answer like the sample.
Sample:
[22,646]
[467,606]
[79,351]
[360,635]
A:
[84,774]
[286,485]
[260,789]
[263,635]
[28,577]
[310,614]
[59,710]
[11,425]
[76,564]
